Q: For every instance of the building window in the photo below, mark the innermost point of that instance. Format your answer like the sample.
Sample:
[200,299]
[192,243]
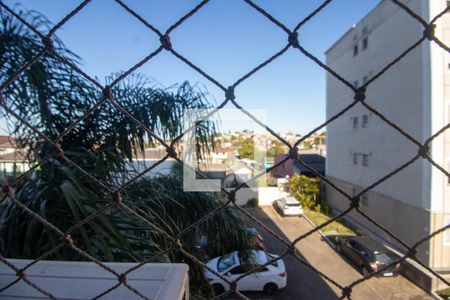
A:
[365,121]
[355,50]
[365,160]
[355,158]
[355,122]
[447,232]
[364,43]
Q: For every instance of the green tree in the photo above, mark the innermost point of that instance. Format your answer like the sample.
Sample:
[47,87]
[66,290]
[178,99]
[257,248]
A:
[247,149]
[276,148]
[50,96]
[306,190]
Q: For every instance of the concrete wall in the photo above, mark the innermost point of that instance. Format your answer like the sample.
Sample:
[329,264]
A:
[265,195]
[137,166]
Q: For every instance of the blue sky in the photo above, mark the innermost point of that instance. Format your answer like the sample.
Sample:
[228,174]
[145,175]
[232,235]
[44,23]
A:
[226,38]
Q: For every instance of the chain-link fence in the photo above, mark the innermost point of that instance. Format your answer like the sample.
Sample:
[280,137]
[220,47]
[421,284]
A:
[292,41]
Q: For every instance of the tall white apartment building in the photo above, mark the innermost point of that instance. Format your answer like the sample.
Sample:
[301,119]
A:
[362,148]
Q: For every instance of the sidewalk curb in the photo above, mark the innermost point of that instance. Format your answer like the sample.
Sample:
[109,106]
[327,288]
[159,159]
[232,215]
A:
[436,296]
[324,237]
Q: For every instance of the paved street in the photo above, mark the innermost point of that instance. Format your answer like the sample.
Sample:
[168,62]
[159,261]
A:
[303,283]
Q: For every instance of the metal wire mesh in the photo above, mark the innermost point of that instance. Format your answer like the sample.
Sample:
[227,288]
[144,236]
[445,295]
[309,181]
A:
[229,97]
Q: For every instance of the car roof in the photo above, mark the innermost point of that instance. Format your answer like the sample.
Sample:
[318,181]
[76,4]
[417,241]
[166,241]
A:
[259,256]
[370,243]
[291,199]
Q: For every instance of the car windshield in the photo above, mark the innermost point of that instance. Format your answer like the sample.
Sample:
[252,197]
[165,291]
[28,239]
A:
[383,258]
[225,262]
[293,204]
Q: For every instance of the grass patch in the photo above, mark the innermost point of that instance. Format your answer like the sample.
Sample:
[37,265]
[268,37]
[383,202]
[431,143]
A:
[445,294]
[319,218]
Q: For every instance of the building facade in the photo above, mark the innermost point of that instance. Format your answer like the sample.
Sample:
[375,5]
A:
[362,148]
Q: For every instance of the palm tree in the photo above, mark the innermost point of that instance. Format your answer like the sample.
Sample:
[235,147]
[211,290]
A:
[50,96]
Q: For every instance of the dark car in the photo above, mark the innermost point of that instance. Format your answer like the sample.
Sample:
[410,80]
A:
[257,237]
[368,255]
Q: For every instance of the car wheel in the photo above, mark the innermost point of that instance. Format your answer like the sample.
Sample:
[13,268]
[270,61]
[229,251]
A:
[270,288]
[218,289]
[365,271]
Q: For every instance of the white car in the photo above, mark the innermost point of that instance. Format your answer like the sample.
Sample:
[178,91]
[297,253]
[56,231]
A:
[268,279]
[289,206]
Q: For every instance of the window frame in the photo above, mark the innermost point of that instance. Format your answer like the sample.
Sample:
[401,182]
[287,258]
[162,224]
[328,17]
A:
[365,160]
[365,121]
[355,122]
[365,43]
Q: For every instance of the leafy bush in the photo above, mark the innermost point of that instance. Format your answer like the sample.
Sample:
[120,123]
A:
[306,190]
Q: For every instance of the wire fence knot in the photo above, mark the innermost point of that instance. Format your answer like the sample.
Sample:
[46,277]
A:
[346,292]
[233,286]
[229,93]
[232,196]
[107,92]
[165,42]
[412,252]
[57,148]
[291,249]
[6,189]
[21,274]
[48,43]
[178,244]
[360,94]
[293,153]
[68,239]
[428,32]
[171,152]
[122,278]
[424,151]
[293,39]
[355,202]
[117,198]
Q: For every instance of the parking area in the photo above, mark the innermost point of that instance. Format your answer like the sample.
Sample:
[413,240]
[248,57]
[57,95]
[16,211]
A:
[303,283]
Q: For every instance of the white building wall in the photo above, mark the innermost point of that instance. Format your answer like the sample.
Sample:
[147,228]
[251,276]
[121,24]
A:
[397,94]
[415,95]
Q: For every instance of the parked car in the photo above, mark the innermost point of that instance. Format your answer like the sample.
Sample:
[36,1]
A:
[268,279]
[257,238]
[202,240]
[368,255]
[289,206]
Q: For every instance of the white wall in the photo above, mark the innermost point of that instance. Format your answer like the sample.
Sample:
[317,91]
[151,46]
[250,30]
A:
[265,195]
[398,94]
[137,166]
